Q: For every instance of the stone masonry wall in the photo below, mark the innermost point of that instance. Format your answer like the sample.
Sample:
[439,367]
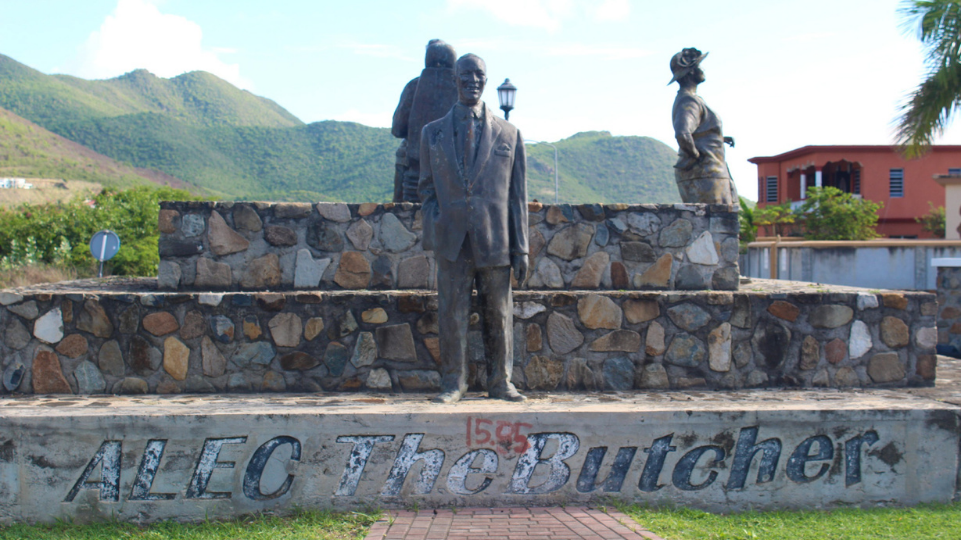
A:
[949,306]
[124,336]
[335,246]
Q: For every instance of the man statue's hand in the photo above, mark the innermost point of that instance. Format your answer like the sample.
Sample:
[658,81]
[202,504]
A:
[519,264]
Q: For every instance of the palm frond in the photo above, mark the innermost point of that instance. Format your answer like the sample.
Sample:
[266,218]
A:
[938,27]
[929,109]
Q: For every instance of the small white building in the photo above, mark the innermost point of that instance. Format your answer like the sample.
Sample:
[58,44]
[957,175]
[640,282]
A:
[15,183]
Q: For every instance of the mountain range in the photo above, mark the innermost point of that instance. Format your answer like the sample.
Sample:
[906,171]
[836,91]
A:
[200,132]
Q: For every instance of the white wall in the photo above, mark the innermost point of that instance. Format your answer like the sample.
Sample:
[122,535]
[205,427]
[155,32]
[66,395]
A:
[900,265]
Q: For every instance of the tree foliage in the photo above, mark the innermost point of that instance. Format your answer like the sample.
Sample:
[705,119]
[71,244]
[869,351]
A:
[931,106]
[831,214]
[933,222]
[60,233]
[775,216]
[748,231]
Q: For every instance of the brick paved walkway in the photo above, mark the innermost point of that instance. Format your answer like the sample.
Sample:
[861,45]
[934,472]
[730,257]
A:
[573,523]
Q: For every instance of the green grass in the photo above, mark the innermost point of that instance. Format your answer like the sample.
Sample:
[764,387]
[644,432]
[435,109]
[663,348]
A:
[919,523]
[311,525]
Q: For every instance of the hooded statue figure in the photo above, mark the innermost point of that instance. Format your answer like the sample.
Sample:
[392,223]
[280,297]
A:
[424,99]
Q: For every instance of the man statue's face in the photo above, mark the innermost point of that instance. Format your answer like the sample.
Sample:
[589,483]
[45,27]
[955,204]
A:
[471,78]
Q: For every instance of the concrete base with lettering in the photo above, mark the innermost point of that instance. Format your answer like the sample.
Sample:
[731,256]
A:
[150,458]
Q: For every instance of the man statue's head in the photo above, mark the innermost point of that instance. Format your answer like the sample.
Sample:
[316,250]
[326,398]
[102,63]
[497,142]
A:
[439,54]
[471,73]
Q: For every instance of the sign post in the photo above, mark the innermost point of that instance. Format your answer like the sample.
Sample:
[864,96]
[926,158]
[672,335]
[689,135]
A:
[103,246]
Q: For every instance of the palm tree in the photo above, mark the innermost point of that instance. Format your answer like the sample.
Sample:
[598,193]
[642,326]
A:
[931,106]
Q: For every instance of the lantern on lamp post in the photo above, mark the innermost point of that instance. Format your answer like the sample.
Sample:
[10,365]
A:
[505,94]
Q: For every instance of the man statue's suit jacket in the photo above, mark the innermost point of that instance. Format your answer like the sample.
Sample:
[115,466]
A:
[488,203]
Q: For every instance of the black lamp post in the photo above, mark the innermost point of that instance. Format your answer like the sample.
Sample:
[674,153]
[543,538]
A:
[505,94]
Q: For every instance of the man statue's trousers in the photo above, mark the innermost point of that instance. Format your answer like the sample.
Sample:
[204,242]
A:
[455,284]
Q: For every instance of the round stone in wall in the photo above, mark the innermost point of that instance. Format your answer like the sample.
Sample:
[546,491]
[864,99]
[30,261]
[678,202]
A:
[15,335]
[286,329]
[597,311]
[73,346]
[378,379]
[13,375]
[193,225]
[677,234]
[562,335]
[618,373]
[394,235]
[685,351]
[49,327]
[543,373]
[89,379]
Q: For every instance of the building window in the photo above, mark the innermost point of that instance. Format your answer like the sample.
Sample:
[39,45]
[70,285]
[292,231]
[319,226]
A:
[771,190]
[954,172]
[896,189]
[856,182]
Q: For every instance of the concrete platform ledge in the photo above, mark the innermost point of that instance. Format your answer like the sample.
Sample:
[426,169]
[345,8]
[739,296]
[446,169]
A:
[123,336]
[191,458]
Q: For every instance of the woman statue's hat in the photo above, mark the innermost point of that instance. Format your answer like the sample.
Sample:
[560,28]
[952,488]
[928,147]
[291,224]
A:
[684,62]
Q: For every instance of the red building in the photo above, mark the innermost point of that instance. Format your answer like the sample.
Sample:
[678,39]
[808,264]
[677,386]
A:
[877,173]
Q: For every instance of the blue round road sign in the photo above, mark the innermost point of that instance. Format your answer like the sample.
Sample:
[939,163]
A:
[104,245]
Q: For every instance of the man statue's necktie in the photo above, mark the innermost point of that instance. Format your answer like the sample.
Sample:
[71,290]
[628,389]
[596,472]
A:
[469,143]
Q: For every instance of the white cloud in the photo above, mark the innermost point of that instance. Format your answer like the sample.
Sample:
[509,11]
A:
[809,37]
[381,119]
[546,14]
[612,10]
[597,51]
[569,49]
[137,35]
[377,50]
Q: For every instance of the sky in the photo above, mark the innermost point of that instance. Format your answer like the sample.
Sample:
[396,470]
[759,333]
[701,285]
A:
[781,74]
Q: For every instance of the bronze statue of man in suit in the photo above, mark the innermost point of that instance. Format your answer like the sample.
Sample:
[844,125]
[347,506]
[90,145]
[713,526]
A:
[474,188]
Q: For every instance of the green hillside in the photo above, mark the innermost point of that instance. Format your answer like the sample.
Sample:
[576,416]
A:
[196,98]
[597,167]
[321,161]
[29,151]
[236,145]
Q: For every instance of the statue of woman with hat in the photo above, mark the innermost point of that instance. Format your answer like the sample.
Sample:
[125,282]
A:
[701,172]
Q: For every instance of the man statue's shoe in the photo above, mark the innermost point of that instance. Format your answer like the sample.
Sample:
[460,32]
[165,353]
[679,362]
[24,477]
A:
[450,396]
[508,394]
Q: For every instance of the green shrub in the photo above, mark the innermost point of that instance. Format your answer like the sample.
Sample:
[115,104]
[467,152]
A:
[933,222]
[59,234]
[831,214]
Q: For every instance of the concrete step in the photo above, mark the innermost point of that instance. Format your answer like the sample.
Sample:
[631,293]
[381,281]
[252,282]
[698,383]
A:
[148,458]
